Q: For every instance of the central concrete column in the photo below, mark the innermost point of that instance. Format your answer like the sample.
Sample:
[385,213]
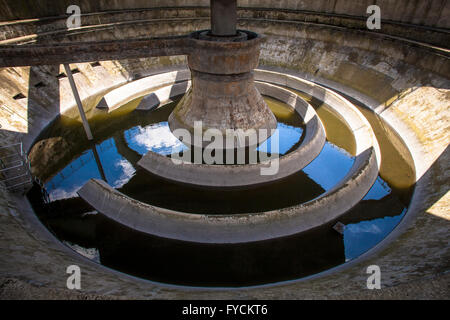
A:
[223,95]
[223,17]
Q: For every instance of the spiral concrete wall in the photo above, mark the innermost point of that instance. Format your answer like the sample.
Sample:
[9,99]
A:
[401,72]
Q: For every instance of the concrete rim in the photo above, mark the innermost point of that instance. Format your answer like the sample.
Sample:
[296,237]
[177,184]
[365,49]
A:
[212,56]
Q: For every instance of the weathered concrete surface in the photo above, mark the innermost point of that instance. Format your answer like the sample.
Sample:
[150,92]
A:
[364,136]
[30,115]
[223,94]
[429,13]
[413,259]
[434,288]
[109,25]
[236,228]
[430,35]
[422,12]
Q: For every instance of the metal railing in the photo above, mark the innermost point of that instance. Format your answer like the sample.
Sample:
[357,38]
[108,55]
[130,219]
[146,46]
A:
[15,171]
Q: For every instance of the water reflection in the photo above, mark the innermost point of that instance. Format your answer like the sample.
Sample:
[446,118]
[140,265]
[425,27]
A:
[360,237]
[66,183]
[159,139]
[379,190]
[288,136]
[330,166]
[155,137]
[116,170]
[113,158]
[99,163]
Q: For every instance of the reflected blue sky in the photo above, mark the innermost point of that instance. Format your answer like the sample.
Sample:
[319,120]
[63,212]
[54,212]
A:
[118,171]
[327,169]
[288,136]
[66,183]
[379,190]
[360,237]
[330,166]
[159,139]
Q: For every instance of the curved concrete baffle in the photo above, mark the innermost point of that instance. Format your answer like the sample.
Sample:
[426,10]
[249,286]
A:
[352,116]
[242,228]
[160,96]
[248,174]
[168,85]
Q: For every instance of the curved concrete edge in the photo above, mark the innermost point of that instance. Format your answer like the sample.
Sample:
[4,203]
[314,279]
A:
[354,119]
[251,174]
[231,229]
[154,99]
[388,251]
[126,93]
[242,228]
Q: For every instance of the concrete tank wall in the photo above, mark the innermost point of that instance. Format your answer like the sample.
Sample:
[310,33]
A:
[13,10]
[405,83]
[432,13]
[423,12]
[144,22]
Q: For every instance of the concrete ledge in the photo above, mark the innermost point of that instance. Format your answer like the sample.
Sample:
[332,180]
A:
[164,94]
[120,96]
[250,174]
[233,228]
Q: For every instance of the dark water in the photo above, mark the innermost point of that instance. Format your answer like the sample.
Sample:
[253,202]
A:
[121,140]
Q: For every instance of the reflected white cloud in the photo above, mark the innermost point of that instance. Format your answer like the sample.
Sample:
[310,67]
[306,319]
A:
[360,237]
[127,171]
[366,228]
[90,253]
[157,138]
[61,193]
